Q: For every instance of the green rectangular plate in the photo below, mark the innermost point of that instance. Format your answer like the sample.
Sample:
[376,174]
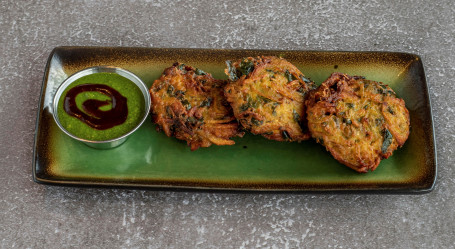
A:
[151,159]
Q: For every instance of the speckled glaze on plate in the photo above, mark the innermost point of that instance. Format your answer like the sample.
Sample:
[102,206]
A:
[151,159]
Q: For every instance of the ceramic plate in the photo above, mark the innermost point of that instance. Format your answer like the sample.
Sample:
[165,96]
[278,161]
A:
[151,159]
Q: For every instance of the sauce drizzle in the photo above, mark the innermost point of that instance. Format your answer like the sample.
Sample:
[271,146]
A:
[92,115]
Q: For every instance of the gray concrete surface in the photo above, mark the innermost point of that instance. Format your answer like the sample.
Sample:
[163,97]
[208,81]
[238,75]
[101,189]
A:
[39,216]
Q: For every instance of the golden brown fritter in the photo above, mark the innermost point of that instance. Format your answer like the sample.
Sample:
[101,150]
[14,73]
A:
[189,104]
[359,121]
[267,95]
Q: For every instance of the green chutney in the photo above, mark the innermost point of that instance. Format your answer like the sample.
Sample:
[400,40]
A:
[126,88]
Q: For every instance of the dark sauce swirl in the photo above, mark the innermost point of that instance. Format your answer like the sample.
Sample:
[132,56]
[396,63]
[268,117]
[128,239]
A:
[91,114]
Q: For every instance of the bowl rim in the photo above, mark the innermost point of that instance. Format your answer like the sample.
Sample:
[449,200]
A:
[101,69]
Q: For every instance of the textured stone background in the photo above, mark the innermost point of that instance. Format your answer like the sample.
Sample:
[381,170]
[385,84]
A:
[39,216]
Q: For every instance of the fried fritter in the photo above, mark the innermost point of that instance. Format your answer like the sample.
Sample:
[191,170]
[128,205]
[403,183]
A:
[189,104]
[359,121]
[267,95]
